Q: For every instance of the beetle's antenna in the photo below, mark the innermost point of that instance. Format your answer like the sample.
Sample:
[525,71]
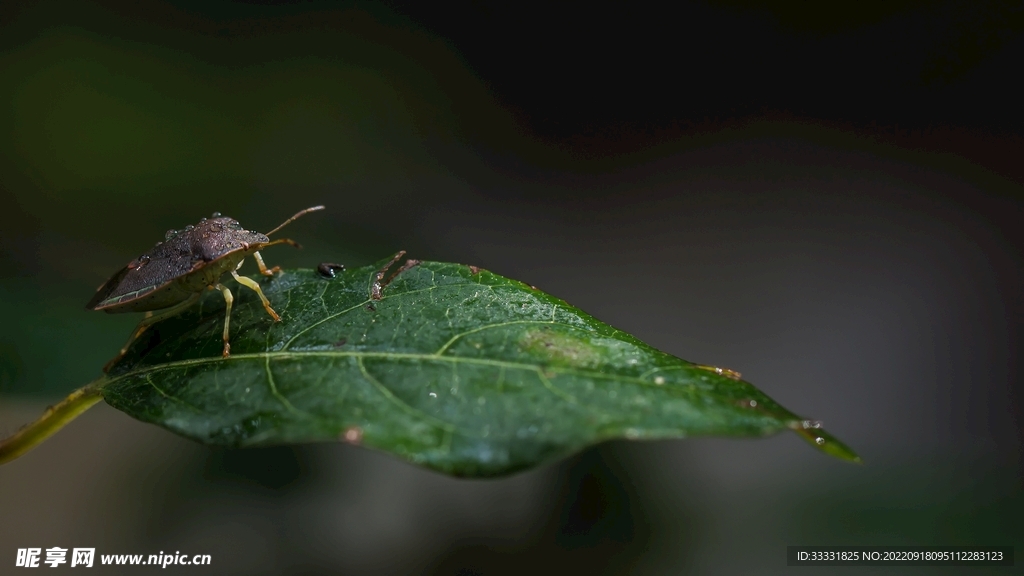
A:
[294,218]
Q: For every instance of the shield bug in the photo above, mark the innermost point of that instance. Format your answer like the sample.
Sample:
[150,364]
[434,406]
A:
[169,278]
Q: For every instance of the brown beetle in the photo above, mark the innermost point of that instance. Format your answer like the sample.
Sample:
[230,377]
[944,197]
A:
[171,277]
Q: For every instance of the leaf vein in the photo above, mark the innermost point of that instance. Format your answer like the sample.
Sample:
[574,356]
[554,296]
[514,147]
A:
[290,355]
[149,380]
[356,306]
[555,390]
[444,347]
[433,420]
[273,388]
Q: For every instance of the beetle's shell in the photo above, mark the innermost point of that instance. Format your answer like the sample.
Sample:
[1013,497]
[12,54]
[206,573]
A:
[188,261]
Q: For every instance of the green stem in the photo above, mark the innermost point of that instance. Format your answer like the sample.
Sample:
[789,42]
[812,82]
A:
[55,417]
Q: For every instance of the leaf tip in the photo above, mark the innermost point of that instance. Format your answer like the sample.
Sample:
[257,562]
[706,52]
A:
[812,432]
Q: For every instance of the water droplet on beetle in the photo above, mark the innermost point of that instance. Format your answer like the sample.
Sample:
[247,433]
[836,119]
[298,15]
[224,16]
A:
[202,219]
[170,234]
[189,227]
[215,215]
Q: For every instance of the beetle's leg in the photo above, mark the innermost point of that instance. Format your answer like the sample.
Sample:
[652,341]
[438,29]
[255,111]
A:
[259,258]
[287,241]
[148,321]
[152,318]
[252,285]
[263,269]
[228,300]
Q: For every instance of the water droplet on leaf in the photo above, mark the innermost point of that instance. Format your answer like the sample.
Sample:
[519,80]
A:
[353,435]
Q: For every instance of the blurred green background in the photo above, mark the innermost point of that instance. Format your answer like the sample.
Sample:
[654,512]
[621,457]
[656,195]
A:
[121,129]
[874,285]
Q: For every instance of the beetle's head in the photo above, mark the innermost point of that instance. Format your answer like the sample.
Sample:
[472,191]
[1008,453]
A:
[215,237]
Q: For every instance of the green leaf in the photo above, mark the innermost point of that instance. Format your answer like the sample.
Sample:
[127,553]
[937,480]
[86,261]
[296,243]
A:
[454,368]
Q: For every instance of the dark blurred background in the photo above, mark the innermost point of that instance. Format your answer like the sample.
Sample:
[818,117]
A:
[824,196]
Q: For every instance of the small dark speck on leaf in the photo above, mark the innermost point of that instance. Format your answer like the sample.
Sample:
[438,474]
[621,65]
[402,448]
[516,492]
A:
[474,269]
[327,269]
[371,307]
[340,343]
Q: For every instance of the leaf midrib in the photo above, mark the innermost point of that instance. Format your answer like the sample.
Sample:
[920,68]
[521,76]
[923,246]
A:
[288,355]
[448,427]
